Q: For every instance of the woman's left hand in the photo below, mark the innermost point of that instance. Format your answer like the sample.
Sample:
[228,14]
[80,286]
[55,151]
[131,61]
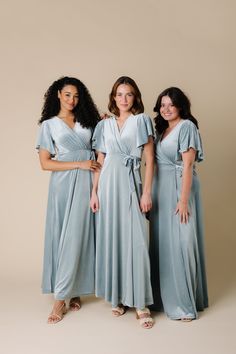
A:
[182,209]
[146,202]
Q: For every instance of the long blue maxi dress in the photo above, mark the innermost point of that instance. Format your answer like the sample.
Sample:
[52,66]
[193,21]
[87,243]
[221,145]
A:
[177,250]
[69,252]
[122,259]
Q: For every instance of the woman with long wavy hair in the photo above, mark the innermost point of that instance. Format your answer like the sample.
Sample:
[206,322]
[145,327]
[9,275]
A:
[176,242]
[68,119]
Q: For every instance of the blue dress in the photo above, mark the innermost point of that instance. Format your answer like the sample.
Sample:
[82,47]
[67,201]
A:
[177,250]
[122,259]
[69,250]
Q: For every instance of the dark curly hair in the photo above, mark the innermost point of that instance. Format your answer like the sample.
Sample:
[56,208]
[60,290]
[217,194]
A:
[138,104]
[180,101]
[85,112]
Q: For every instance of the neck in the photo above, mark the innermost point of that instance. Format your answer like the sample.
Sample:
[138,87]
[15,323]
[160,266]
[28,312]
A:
[172,124]
[124,115]
[65,114]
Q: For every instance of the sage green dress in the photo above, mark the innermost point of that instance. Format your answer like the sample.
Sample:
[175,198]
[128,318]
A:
[69,252]
[122,258]
[177,250]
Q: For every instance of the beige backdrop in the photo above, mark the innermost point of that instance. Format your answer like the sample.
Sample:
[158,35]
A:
[159,43]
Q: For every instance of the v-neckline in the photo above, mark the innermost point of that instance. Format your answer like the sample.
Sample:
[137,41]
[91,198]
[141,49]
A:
[120,130]
[67,125]
[161,140]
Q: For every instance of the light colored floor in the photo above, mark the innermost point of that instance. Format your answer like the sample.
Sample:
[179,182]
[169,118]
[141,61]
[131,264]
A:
[23,328]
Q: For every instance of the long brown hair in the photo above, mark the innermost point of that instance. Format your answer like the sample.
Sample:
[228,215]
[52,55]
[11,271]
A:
[138,104]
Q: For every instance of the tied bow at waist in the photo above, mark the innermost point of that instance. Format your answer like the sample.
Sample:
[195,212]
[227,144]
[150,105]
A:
[133,164]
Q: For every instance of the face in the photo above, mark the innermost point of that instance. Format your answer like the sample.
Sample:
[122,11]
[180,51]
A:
[168,111]
[124,98]
[69,97]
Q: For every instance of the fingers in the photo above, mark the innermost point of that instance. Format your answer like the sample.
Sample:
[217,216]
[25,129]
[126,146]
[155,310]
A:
[184,218]
[94,208]
[94,205]
[145,207]
[94,166]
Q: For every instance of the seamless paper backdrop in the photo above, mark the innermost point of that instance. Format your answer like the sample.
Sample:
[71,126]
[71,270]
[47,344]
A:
[184,43]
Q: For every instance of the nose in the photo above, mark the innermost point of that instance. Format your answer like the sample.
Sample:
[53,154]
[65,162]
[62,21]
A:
[166,109]
[124,99]
[71,100]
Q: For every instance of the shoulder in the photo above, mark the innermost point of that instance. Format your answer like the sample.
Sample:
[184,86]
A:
[142,117]
[104,122]
[49,122]
[188,124]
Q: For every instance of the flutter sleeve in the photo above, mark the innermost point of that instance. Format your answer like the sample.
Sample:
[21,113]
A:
[45,140]
[189,137]
[98,142]
[145,129]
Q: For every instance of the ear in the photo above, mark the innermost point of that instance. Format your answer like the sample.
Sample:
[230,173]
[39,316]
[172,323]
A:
[58,94]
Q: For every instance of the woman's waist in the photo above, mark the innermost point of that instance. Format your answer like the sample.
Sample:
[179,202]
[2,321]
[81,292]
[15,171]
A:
[77,154]
[172,166]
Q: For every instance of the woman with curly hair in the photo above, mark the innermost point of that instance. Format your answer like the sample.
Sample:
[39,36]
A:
[176,242]
[122,259]
[68,119]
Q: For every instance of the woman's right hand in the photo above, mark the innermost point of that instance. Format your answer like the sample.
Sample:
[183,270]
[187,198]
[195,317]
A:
[94,203]
[91,165]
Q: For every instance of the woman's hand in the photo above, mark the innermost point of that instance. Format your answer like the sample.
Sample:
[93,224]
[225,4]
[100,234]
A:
[91,165]
[94,202]
[104,115]
[182,209]
[146,202]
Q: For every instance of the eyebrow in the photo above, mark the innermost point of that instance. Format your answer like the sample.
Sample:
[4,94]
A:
[72,93]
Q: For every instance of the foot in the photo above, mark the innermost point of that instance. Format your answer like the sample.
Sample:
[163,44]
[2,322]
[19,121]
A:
[186,319]
[144,317]
[58,311]
[118,311]
[75,304]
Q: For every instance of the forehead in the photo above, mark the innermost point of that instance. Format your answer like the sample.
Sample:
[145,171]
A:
[166,100]
[70,88]
[124,88]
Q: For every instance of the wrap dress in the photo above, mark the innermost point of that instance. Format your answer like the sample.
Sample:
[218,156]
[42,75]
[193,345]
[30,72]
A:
[177,250]
[122,258]
[69,251]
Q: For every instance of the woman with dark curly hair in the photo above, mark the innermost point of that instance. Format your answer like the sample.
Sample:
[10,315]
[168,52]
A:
[122,259]
[176,242]
[69,117]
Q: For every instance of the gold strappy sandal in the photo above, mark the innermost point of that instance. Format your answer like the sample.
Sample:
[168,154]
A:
[75,304]
[56,316]
[144,317]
